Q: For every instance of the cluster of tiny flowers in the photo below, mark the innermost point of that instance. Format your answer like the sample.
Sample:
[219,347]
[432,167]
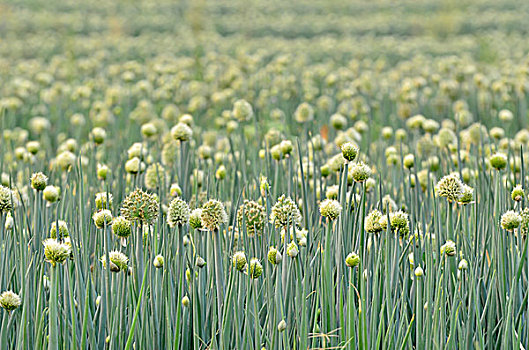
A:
[450,187]
[6,202]
[239,261]
[517,193]
[56,252]
[39,181]
[330,209]
[195,219]
[274,256]
[103,200]
[140,206]
[255,269]
[372,221]
[182,132]
[253,216]
[102,218]
[449,248]
[154,174]
[178,212]
[349,151]
[510,220]
[467,195]
[213,215]
[118,261]
[10,300]
[121,227]
[498,161]
[360,172]
[63,229]
[285,213]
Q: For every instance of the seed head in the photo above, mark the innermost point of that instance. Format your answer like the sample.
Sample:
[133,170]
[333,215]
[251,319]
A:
[63,229]
[360,172]
[449,248]
[292,249]
[372,221]
[419,272]
[463,264]
[140,206]
[200,262]
[134,165]
[239,261]
[517,193]
[102,171]
[213,215]
[338,121]
[175,190]
[285,213]
[149,130]
[510,220]
[195,219]
[450,187]
[6,199]
[155,176]
[282,326]
[10,300]
[66,160]
[408,161]
[498,161]
[158,261]
[330,209]
[399,222]
[178,214]
[467,195]
[182,132]
[103,200]
[332,192]
[55,251]
[39,181]
[255,269]
[274,256]
[220,174]
[121,227]
[118,261]
[102,218]
[304,113]
[253,216]
[242,110]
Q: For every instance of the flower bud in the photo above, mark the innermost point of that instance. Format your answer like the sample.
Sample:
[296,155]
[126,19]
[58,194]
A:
[349,151]
[255,270]
[239,261]
[517,193]
[282,326]
[419,272]
[274,256]
[292,250]
[352,260]
[449,248]
[51,194]
[498,161]
[200,262]
[463,264]
[39,181]
[158,261]
[510,220]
